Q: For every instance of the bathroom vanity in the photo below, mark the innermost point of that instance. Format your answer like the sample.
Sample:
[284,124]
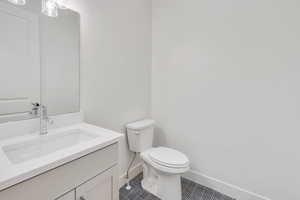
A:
[75,162]
[47,159]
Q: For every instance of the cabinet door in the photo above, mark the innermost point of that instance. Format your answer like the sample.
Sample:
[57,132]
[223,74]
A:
[68,196]
[102,187]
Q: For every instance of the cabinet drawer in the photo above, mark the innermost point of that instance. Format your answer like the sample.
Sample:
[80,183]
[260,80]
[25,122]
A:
[52,184]
[102,187]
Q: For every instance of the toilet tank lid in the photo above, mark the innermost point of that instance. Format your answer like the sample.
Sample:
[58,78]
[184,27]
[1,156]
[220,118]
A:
[140,125]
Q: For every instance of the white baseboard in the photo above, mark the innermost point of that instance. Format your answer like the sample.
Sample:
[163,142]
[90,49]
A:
[135,170]
[223,187]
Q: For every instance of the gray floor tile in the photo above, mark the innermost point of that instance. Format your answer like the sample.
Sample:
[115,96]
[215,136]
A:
[190,191]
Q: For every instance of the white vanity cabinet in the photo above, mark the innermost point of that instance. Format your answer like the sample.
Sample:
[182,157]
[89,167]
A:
[91,177]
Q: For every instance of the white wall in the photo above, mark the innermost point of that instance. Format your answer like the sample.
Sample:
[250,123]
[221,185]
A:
[224,82]
[115,63]
[226,89]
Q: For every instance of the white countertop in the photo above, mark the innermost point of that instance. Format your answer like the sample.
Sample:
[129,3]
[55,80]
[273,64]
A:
[11,174]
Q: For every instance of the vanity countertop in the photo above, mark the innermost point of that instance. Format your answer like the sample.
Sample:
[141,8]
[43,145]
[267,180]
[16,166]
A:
[12,173]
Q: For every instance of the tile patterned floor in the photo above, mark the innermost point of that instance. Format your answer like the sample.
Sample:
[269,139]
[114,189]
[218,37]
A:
[190,191]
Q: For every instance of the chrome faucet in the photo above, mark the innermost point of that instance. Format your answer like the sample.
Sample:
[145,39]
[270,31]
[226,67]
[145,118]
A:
[44,120]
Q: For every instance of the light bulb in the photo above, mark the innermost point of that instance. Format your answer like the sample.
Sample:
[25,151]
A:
[50,8]
[18,2]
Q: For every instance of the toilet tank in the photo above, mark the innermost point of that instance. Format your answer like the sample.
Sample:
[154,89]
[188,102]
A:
[140,135]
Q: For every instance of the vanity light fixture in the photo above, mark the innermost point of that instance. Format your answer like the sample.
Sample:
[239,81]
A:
[18,2]
[62,4]
[50,8]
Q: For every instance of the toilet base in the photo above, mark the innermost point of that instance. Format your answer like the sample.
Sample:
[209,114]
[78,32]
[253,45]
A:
[150,186]
[163,185]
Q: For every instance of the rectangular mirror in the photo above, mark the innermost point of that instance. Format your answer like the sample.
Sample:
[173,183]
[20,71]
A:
[39,60]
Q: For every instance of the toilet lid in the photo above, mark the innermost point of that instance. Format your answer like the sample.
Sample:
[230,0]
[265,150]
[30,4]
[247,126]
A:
[169,157]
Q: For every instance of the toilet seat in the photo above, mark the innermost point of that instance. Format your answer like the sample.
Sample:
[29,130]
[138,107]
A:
[168,157]
[158,158]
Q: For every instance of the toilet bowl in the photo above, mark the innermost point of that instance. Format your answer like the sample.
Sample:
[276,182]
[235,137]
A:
[162,170]
[162,166]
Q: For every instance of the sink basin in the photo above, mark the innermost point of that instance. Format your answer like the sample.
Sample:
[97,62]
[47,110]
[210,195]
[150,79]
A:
[44,145]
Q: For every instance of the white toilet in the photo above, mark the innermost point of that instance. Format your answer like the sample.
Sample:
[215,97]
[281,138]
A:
[162,166]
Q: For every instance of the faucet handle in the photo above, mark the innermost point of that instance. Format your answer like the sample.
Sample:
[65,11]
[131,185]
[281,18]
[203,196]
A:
[35,108]
[35,104]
